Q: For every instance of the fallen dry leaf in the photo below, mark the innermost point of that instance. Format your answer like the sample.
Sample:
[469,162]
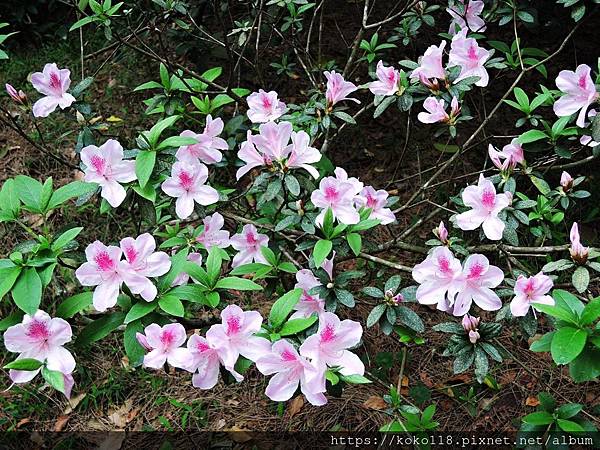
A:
[296,405]
[375,402]
[73,402]
[61,422]
[114,441]
[239,435]
[532,401]
[22,422]
[120,415]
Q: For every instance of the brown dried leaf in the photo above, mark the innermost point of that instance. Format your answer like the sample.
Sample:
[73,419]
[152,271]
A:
[239,435]
[375,402]
[296,405]
[60,423]
[532,401]
[120,415]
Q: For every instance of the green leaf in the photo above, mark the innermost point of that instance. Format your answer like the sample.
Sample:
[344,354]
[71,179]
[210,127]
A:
[213,299]
[283,306]
[557,312]
[9,198]
[82,86]
[355,242]
[532,136]
[569,426]
[569,410]
[171,305]
[65,238]
[295,326]
[157,130]
[213,263]
[542,344]
[581,279]
[481,364]
[375,315]
[27,291]
[8,276]
[45,194]
[463,361]
[292,184]
[178,261]
[238,284]
[54,378]
[100,328]
[29,192]
[177,141]
[586,366]
[568,342]
[539,418]
[144,165]
[139,310]
[135,352]
[24,364]
[541,185]
[74,304]
[591,312]
[321,251]
[354,379]
[81,22]
[410,318]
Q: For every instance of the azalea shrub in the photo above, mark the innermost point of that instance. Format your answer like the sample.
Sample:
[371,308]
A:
[250,247]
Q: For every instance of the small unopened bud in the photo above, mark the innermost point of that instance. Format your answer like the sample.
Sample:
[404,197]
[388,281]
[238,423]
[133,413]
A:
[566,181]
[470,323]
[80,118]
[330,285]
[391,299]
[433,84]
[143,341]
[474,336]
[441,233]
[18,97]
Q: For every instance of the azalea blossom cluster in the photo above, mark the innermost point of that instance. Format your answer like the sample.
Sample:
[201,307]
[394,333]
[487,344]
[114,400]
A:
[107,271]
[453,287]
[237,335]
[42,338]
[345,195]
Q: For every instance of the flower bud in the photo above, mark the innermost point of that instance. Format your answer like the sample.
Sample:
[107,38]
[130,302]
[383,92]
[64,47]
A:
[566,181]
[579,253]
[432,85]
[441,233]
[18,97]
[470,323]
[474,336]
[143,341]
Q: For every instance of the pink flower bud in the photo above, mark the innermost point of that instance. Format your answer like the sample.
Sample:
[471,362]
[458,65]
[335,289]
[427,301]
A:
[441,232]
[397,299]
[579,253]
[143,341]
[455,111]
[470,323]
[18,97]
[566,181]
[474,336]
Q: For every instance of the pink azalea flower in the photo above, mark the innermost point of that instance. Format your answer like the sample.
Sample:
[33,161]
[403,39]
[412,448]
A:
[472,11]
[566,181]
[474,285]
[103,269]
[511,155]
[187,185]
[466,53]
[387,80]
[165,346]
[441,233]
[376,201]
[430,64]
[579,253]
[342,176]
[248,244]
[205,361]
[485,205]
[339,196]
[54,84]
[436,111]
[328,346]
[308,304]
[235,336]
[183,277]
[18,97]
[250,155]
[580,93]
[42,338]
[530,290]
[470,324]
[437,276]
[105,166]
[338,89]
[264,107]
[213,234]
[141,262]
[209,144]
[273,138]
[291,370]
[302,155]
